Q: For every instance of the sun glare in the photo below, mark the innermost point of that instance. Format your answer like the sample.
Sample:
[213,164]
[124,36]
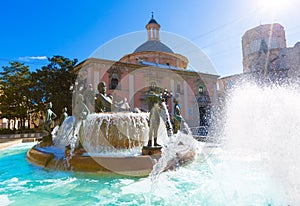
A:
[275,5]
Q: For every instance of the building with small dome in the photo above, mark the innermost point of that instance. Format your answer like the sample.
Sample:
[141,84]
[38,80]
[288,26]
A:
[153,64]
[153,50]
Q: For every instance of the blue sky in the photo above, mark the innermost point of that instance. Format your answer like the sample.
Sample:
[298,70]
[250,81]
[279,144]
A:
[32,30]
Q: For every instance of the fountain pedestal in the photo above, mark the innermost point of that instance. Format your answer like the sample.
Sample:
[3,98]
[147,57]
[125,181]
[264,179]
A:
[151,150]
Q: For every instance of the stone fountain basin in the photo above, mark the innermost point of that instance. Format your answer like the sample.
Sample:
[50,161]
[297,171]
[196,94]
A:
[140,165]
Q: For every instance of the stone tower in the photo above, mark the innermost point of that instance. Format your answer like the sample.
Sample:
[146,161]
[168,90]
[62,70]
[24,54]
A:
[261,46]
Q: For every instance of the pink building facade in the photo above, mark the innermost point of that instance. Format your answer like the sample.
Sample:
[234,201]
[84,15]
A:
[153,65]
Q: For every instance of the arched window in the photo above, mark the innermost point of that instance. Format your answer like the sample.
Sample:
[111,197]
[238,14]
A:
[114,82]
[178,89]
[153,85]
[201,90]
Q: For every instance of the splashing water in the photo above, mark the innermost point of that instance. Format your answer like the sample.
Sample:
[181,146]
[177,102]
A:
[175,147]
[63,135]
[264,123]
[174,153]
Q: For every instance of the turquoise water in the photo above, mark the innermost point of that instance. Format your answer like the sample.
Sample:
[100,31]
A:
[212,179]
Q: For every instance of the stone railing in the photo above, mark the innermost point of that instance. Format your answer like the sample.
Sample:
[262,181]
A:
[23,135]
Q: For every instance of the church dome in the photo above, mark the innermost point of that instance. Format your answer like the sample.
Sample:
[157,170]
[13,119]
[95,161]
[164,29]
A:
[155,53]
[153,46]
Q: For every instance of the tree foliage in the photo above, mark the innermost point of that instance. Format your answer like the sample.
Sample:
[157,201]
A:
[52,84]
[23,94]
[15,95]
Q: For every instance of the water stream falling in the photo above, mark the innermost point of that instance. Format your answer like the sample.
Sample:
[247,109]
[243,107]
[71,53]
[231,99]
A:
[166,118]
[104,134]
[184,128]
[115,133]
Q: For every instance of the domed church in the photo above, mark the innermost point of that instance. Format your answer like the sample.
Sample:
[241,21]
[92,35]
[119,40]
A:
[154,51]
[153,65]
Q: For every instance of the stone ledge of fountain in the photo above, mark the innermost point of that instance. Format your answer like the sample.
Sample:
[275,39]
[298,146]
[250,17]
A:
[139,166]
[39,158]
[119,131]
[126,165]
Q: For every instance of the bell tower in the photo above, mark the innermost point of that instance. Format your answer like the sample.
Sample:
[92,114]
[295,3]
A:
[153,29]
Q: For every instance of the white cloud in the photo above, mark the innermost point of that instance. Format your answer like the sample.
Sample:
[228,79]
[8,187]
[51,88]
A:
[29,58]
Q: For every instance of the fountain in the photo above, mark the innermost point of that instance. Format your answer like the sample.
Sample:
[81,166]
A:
[255,163]
[111,142]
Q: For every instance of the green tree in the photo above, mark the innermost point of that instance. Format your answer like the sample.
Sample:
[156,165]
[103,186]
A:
[15,98]
[52,84]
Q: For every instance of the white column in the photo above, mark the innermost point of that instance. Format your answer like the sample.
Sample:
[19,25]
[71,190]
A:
[96,80]
[149,34]
[151,30]
[131,91]
[186,106]
[89,76]
[172,86]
